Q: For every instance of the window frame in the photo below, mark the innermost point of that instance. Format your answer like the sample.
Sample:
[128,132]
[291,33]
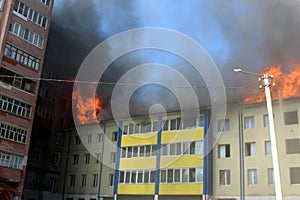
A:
[224,177]
[249,122]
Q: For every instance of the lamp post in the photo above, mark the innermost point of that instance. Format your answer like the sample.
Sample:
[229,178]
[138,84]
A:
[266,80]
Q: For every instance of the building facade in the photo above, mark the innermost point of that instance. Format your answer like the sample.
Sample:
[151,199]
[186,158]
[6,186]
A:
[88,162]
[24,27]
[140,160]
[161,159]
[243,167]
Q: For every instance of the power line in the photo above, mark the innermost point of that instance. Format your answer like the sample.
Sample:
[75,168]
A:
[120,84]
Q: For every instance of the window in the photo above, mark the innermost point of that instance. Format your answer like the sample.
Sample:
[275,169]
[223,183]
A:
[114,136]
[77,140]
[172,149]
[31,37]
[223,125]
[87,158]
[189,175]
[34,155]
[98,157]
[199,175]
[224,177]
[266,120]
[200,121]
[140,175]
[44,112]
[95,180]
[152,176]
[290,118]
[295,175]
[249,122]
[53,185]
[59,139]
[111,180]
[113,157]
[11,160]
[1,4]
[252,176]
[14,106]
[146,176]
[12,132]
[56,158]
[26,12]
[192,175]
[89,139]
[250,149]
[163,175]
[100,137]
[22,57]
[171,124]
[32,176]
[75,159]
[292,146]
[270,176]
[268,148]
[17,80]
[199,147]
[224,151]
[83,180]
[46,2]
[185,175]
[72,180]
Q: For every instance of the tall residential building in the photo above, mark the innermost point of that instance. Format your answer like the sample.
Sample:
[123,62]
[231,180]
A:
[24,27]
[243,166]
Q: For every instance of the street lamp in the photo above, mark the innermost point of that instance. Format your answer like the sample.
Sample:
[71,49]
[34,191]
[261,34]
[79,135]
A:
[266,80]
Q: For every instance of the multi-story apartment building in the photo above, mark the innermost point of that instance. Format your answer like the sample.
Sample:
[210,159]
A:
[24,27]
[88,162]
[53,118]
[140,160]
[243,165]
[161,159]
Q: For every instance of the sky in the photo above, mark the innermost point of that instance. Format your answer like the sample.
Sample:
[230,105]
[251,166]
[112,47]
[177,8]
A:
[248,34]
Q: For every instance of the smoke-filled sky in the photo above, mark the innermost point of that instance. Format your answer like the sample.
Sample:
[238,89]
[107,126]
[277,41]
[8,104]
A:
[250,34]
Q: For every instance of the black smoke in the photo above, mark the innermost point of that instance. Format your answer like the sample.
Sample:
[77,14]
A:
[248,34]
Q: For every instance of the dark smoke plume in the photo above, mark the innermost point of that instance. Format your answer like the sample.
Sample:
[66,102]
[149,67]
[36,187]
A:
[250,34]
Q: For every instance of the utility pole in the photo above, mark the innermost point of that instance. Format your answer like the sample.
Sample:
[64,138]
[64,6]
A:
[266,80]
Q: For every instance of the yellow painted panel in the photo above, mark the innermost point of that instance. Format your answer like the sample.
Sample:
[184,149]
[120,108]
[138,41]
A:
[182,135]
[142,189]
[137,163]
[139,139]
[181,161]
[181,189]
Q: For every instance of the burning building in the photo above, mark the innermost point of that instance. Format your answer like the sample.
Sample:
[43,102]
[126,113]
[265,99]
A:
[24,27]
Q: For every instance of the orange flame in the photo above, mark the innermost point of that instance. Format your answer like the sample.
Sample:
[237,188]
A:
[287,85]
[87,107]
